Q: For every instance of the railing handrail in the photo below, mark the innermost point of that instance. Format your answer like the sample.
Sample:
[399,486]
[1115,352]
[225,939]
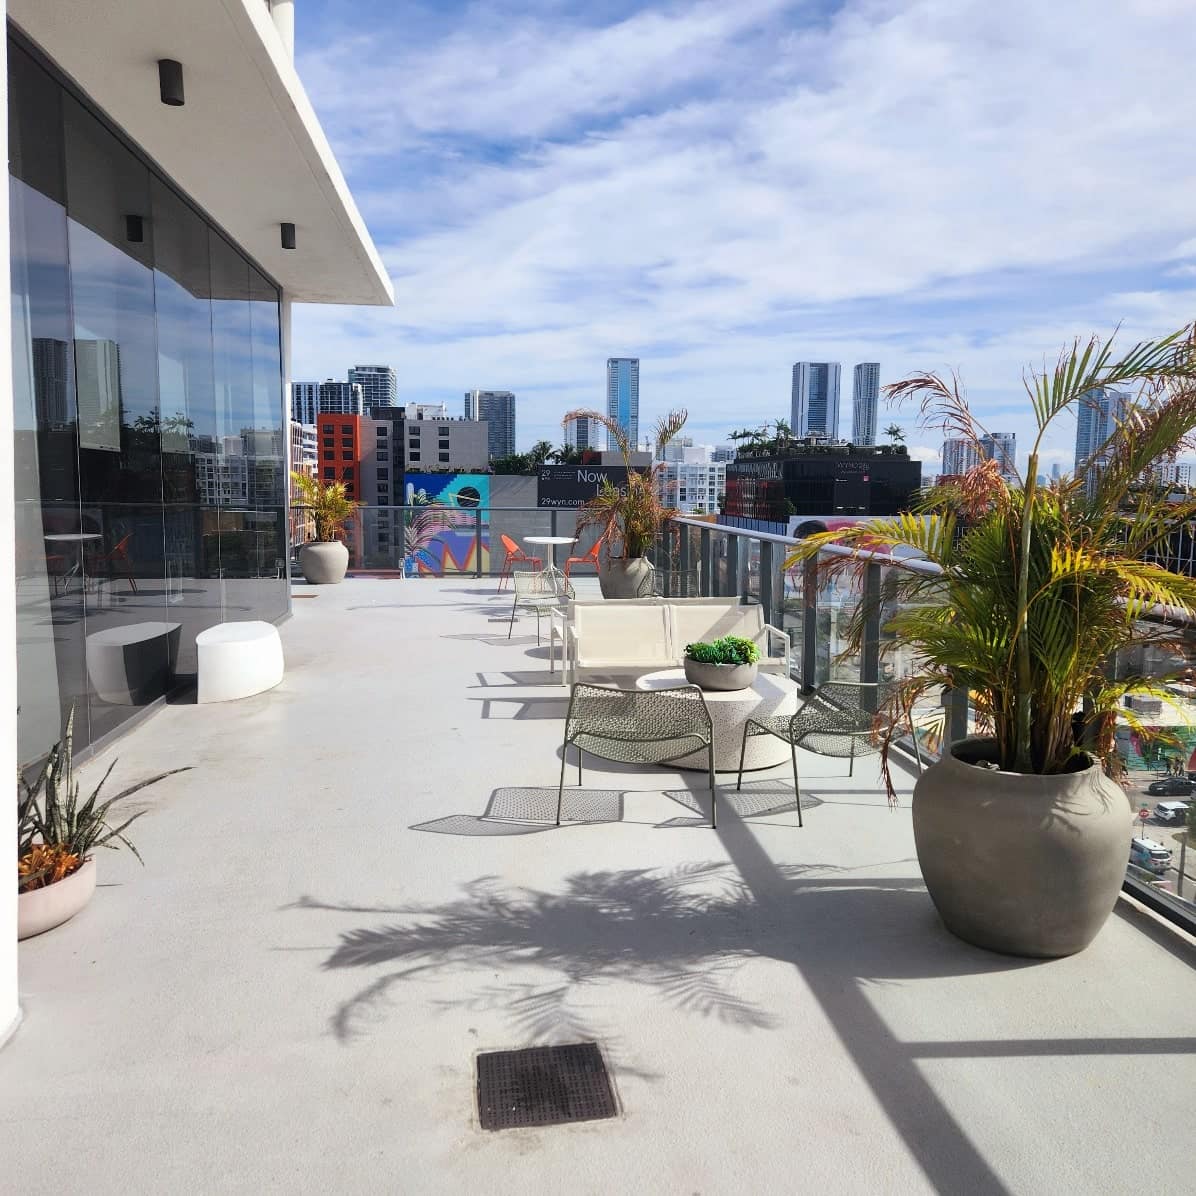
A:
[866,555]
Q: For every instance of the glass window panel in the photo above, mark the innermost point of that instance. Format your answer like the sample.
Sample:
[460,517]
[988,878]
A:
[50,651]
[270,489]
[128,649]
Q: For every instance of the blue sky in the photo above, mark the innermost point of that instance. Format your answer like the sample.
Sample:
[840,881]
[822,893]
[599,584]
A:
[725,188]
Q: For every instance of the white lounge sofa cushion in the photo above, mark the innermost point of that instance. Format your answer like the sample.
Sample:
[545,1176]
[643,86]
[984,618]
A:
[619,635]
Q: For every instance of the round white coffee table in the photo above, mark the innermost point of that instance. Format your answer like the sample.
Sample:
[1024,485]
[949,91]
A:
[770,693]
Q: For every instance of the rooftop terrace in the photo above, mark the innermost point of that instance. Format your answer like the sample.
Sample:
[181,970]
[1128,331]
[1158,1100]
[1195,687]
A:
[358,887]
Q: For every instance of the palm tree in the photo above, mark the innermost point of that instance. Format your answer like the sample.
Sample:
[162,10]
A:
[540,452]
[895,433]
[567,454]
[1041,586]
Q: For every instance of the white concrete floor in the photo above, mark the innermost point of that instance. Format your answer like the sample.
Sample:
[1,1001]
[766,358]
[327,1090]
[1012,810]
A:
[348,896]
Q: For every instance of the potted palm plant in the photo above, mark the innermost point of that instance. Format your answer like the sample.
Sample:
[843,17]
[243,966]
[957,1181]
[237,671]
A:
[1022,832]
[57,834]
[325,559]
[628,516]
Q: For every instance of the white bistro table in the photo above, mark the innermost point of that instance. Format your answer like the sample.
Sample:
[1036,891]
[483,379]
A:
[550,542]
[770,693]
[78,539]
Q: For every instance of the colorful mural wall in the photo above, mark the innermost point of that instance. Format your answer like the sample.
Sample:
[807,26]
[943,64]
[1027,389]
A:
[440,534]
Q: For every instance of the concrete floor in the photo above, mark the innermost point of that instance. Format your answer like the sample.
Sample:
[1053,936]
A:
[347,897]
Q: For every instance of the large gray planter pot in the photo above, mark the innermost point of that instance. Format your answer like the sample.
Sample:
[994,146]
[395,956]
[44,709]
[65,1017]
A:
[719,678]
[1025,865]
[324,562]
[39,910]
[626,577]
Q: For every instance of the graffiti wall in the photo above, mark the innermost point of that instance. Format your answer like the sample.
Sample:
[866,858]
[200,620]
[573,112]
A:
[440,534]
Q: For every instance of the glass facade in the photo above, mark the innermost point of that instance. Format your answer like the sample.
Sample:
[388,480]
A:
[150,433]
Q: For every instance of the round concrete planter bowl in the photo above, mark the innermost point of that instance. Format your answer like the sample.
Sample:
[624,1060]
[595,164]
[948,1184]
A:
[626,577]
[39,910]
[324,562]
[1021,864]
[719,678]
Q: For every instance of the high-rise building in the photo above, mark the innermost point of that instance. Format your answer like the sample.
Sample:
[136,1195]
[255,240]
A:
[379,386]
[723,452]
[1101,410]
[959,455]
[623,395]
[1056,472]
[1001,447]
[692,487]
[1171,473]
[585,433]
[97,386]
[865,398]
[51,380]
[312,399]
[815,399]
[497,409]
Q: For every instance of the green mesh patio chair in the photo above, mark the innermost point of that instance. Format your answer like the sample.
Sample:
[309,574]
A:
[542,591]
[840,718]
[636,726]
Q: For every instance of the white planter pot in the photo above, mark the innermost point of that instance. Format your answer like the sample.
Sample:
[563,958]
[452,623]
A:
[39,910]
[324,562]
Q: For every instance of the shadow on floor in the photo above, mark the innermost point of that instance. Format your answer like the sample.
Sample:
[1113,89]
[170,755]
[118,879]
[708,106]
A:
[511,808]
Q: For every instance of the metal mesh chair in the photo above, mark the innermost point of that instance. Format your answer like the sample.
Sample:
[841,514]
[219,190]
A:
[636,726]
[541,591]
[841,718]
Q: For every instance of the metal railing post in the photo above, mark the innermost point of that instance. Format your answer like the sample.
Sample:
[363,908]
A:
[477,541]
[870,648]
[809,625]
[733,583]
[767,581]
[704,563]
[685,555]
[955,726]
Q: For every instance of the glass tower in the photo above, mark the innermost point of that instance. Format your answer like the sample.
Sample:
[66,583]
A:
[815,399]
[865,395]
[623,395]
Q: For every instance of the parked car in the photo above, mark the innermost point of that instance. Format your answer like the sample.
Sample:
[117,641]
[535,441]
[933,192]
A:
[1171,811]
[1148,854]
[1170,787]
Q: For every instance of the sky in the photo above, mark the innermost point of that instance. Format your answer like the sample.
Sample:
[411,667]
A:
[724,188]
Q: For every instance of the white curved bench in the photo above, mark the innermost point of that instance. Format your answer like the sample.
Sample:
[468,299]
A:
[237,660]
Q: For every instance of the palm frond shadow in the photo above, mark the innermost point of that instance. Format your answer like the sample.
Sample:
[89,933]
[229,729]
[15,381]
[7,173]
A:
[682,933]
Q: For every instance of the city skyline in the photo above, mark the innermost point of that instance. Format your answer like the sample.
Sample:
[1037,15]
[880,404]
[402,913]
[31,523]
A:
[622,214]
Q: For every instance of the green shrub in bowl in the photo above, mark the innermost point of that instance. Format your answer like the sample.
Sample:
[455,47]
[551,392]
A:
[723,664]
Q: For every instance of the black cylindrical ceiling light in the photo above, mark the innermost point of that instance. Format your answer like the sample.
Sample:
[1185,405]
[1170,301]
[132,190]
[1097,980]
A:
[288,236]
[134,229]
[170,82]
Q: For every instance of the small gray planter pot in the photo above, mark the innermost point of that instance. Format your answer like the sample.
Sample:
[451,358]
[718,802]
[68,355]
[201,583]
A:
[719,678]
[324,562]
[1022,864]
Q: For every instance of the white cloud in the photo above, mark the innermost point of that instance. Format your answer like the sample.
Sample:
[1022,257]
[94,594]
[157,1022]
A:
[724,192]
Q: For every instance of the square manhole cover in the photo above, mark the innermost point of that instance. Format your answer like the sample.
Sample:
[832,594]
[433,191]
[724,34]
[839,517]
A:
[543,1086]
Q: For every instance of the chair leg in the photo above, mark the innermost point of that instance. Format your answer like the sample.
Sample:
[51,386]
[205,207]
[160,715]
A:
[796,786]
[742,755]
[511,625]
[851,762]
[713,799]
[537,626]
[579,755]
[560,789]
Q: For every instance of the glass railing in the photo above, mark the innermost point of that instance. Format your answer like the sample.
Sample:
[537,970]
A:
[700,558]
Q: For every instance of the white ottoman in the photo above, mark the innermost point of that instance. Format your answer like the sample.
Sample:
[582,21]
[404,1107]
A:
[237,660]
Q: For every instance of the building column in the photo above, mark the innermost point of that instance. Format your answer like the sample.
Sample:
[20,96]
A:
[283,14]
[288,404]
[10,1010]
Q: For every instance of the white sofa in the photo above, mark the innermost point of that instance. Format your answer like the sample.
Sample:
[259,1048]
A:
[643,636]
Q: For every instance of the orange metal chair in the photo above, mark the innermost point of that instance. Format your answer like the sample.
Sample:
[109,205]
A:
[515,556]
[119,552]
[590,558]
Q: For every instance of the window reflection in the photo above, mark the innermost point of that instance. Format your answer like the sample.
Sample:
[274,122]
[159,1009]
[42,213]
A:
[149,422]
